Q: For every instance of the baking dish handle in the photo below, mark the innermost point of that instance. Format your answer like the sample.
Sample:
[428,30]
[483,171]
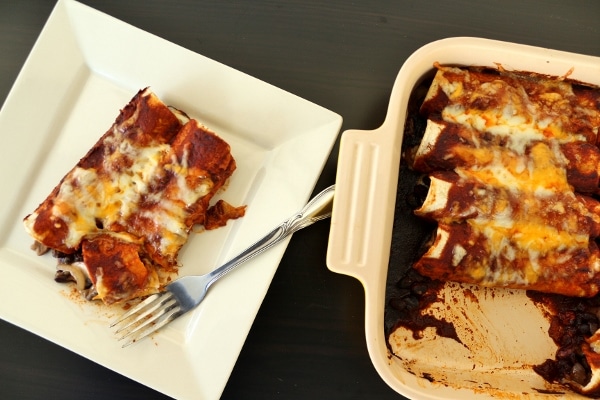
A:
[366,181]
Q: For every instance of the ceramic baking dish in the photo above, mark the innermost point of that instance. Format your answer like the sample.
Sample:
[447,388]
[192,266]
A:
[503,334]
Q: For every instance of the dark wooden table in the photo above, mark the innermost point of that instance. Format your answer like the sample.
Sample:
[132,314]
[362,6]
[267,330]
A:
[308,338]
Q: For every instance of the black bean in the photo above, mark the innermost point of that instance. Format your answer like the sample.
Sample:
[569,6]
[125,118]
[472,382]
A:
[402,292]
[588,317]
[405,283]
[412,303]
[578,374]
[410,279]
[584,329]
[408,303]
[398,304]
[419,288]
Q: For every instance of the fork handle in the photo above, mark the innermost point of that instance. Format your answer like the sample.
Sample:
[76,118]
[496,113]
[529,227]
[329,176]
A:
[315,210]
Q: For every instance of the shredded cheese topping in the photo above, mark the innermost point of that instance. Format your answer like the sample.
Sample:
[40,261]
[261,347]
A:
[514,151]
[90,200]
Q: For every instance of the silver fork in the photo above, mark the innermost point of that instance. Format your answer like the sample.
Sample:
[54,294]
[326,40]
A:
[187,292]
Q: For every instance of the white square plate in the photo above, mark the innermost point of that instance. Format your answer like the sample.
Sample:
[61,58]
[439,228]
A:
[84,67]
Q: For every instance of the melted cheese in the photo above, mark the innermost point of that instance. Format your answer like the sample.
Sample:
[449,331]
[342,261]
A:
[513,110]
[89,200]
[521,159]
[526,231]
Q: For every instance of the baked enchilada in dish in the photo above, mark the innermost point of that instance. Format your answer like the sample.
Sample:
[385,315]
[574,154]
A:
[514,165]
[503,168]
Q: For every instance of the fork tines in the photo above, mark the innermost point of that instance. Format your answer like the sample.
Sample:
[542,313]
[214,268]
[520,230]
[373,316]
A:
[147,317]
